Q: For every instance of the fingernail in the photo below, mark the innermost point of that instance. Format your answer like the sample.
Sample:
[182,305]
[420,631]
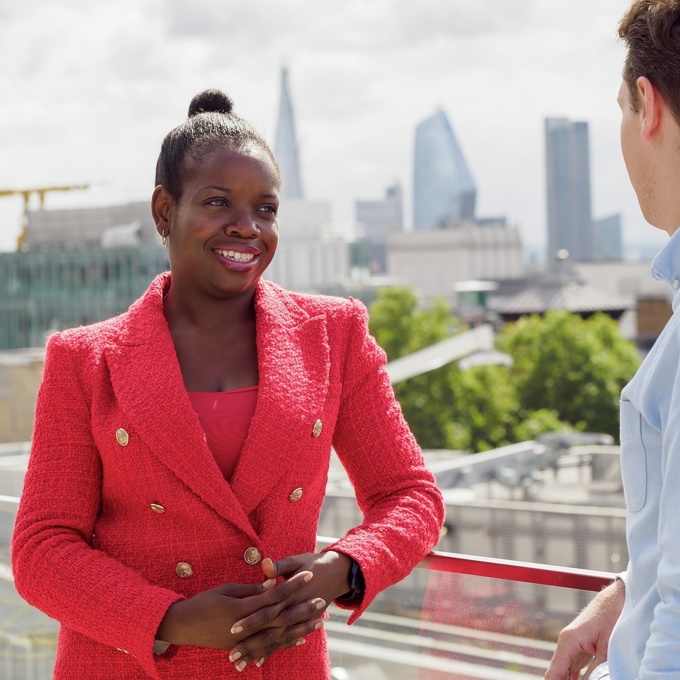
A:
[299,642]
[307,577]
[240,666]
[319,603]
[235,656]
[318,625]
[259,662]
[269,583]
[236,630]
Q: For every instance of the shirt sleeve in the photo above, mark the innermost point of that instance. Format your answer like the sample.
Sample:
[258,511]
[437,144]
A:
[55,566]
[402,506]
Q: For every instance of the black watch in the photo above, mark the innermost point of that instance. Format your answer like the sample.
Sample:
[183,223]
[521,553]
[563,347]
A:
[357,585]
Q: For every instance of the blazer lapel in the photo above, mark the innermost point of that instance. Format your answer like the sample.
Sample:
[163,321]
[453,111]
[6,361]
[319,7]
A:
[149,388]
[293,359]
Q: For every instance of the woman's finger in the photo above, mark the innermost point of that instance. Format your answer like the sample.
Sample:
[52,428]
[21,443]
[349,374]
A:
[276,617]
[264,643]
[284,567]
[269,604]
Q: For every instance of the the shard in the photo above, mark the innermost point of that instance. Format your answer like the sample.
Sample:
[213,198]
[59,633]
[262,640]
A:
[286,145]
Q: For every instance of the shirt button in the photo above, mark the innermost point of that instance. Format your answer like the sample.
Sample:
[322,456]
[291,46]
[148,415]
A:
[122,437]
[318,427]
[184,570]
[295,495]
[252,555]
[156,507]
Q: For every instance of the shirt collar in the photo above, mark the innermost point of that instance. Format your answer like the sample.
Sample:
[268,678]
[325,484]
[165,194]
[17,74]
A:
[666,266]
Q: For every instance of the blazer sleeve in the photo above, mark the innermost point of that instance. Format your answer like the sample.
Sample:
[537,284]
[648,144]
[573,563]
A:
[55,566]
[402,506]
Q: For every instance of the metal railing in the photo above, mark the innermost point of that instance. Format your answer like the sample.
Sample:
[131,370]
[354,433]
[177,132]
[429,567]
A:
[510,570]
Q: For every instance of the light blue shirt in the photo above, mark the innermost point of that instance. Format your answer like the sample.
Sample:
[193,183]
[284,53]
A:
[645,644]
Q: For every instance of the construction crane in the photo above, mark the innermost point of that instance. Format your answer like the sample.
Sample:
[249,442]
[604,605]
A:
[40,191]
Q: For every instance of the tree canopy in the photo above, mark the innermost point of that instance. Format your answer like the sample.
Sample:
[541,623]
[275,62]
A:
[567,373]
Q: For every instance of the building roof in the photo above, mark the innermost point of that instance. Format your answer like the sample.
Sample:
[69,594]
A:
[579,298]
[560,288]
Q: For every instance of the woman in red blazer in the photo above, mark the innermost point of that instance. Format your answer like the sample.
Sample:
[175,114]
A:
[157,562]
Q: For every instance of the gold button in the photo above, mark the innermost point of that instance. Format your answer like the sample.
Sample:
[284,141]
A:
[122,437]
[295,495]
[156,507]
[184,570]
[252,555]
[318,426]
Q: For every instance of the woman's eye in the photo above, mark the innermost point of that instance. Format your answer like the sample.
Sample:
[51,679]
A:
[216,201]
[268,209]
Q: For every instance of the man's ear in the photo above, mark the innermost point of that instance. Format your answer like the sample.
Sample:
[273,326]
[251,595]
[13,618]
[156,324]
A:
[162,205]
[652,107]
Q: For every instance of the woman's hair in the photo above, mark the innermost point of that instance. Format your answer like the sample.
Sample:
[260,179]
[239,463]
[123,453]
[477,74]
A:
[651,31]
[211,122]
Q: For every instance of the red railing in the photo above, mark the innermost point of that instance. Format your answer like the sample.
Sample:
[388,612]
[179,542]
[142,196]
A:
[510,570]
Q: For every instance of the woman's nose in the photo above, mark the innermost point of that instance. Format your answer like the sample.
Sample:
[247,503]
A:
[243,225]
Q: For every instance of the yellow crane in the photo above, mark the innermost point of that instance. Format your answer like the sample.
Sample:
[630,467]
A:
[40,192]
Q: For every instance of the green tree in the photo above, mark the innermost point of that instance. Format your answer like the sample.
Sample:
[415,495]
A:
[484,409]
[401,327]
[566,373]
[573,367]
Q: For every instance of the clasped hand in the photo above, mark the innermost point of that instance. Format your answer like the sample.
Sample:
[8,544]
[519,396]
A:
[255,620]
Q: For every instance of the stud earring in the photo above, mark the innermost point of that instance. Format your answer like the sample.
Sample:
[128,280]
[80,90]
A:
[164,237]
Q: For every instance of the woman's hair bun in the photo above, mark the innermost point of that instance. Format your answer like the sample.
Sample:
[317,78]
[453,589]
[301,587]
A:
[210,101]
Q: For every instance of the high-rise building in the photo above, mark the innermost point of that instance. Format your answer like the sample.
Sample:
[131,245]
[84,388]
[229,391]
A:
[378,219]
[443,188]
[609,238]
[286,146]
[567,159]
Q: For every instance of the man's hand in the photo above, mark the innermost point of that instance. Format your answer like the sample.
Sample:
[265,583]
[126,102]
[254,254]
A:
[585,640]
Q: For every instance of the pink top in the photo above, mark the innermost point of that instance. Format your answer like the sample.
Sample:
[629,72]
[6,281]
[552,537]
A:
[225,418]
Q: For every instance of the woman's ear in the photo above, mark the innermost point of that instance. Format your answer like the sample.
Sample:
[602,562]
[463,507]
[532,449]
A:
[162,204]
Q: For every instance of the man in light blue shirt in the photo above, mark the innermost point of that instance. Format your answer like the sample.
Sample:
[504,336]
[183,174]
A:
[631,630]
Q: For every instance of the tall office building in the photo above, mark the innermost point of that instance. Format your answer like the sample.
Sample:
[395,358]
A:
[608,237]
[443,188]
[286,146]
[567,156]
[378,219]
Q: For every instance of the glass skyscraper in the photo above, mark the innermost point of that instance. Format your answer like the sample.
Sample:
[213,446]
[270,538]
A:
[286,146]
[443,188]
[567,157]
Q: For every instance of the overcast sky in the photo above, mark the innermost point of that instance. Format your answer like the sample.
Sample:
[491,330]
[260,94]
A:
[89,89]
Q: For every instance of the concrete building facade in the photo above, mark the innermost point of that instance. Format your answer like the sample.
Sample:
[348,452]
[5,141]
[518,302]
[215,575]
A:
[433,261]
[129,225]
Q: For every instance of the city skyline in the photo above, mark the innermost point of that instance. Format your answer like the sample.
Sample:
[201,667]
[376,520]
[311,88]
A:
[358,94]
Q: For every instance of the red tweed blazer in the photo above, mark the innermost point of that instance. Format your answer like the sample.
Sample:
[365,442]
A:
[115,434]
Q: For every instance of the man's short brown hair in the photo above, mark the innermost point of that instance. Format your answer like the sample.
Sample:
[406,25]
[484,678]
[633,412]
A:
[651,31]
